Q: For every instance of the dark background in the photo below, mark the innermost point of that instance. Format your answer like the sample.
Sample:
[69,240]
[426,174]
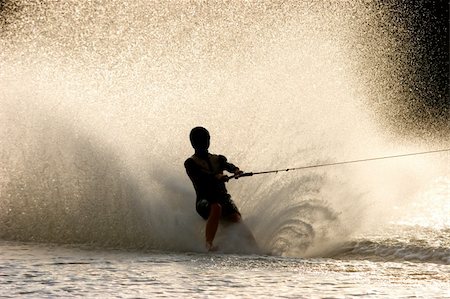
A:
[425,110]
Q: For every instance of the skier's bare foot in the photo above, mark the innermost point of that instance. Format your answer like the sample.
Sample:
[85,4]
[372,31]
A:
[211,248]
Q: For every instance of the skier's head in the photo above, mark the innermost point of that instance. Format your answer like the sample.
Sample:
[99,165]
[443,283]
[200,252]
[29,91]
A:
[199,137]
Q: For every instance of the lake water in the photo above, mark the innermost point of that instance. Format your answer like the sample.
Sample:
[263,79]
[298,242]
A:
[45,270]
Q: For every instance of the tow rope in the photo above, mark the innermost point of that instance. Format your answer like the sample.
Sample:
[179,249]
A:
[245,174]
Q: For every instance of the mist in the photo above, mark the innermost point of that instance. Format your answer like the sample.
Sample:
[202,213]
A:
[97,101]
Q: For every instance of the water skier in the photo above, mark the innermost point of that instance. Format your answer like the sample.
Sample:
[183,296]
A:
[206,173]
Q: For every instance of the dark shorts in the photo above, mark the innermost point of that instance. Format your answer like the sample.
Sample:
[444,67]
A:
[228,207]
